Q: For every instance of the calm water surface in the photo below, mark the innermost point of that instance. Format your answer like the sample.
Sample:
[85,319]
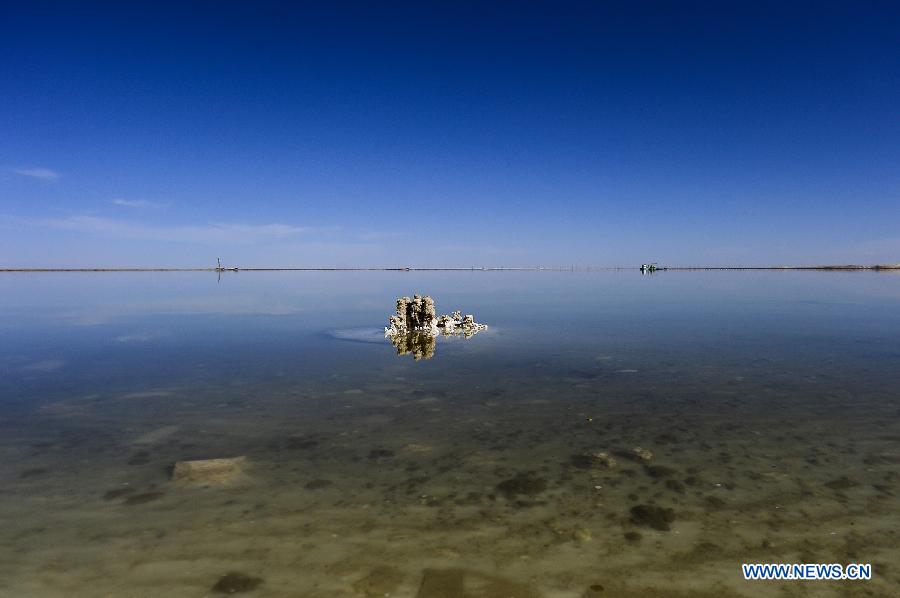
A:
[765,407]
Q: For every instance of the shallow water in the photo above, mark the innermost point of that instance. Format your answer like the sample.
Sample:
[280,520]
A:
[769,401]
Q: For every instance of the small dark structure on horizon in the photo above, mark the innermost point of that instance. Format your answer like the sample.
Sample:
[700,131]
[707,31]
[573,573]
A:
[219,267]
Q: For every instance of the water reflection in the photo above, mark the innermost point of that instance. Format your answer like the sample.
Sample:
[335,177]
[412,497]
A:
[763,407]
[420,344]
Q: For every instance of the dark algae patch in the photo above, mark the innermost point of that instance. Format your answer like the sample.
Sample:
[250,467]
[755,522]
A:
[581,461]
[594,590]
[659,471]
[318,484]
[145,497]
[675,486]
[301,444]
[380,454]
[139,458]
[524,484]
[652,516]
[117,493]
[841,483]
[714,502]
[235,583]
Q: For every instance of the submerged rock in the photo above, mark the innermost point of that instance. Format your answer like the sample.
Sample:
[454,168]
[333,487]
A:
[603,459]
[582,535]
[208,472]
[416,326]
[642,454]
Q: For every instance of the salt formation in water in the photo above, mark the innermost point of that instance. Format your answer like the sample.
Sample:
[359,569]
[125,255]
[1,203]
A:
[416,325]
[418,315]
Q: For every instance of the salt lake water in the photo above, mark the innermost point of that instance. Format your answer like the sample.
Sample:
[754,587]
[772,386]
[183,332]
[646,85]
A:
[610,434]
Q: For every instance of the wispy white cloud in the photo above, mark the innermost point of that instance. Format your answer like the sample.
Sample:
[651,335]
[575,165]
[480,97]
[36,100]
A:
[136,338]
[382,235]
[47,365]
[137,203]
[44,174]
[221,232]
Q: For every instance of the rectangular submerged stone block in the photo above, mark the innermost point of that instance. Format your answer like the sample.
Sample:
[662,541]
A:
[208,472]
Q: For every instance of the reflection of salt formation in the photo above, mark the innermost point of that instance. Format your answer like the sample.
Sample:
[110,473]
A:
[416,325]
[420,344]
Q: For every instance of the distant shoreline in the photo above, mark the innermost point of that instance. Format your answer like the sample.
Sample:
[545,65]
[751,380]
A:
[841,268]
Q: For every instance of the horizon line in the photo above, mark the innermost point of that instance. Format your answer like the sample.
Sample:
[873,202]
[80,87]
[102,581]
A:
[834,267]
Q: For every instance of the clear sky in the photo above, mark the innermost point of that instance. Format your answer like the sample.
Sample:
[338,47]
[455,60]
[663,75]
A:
[455,133]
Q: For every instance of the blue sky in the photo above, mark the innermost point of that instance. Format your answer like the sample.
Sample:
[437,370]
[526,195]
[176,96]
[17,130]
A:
[449,134]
